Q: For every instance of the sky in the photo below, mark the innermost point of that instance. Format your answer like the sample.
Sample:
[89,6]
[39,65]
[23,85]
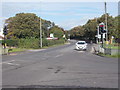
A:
[66,14]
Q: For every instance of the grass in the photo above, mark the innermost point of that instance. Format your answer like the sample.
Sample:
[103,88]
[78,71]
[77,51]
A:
[54,45]
[113,56]
[112,46]
[23,49]
[16,49]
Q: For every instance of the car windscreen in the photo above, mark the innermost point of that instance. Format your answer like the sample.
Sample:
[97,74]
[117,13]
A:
[81,43]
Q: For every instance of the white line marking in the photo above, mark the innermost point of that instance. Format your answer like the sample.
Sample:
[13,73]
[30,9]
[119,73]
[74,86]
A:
[7,61]
[13,64]
[58,55]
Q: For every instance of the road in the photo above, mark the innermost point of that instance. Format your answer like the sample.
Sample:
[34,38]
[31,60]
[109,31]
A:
[60,66]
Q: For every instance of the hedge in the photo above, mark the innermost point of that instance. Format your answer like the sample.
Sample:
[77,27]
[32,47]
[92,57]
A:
[31,43]
[11,43]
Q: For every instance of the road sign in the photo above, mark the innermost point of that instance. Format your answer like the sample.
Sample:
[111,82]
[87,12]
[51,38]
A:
[98,36]
[103,35]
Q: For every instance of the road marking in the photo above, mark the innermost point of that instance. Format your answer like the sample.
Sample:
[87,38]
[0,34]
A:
[7,61]
[13,64]
[58,55]
[81,51]
[36,50]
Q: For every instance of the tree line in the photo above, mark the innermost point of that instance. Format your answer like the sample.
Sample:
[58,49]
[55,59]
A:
[89,30]
[27,25]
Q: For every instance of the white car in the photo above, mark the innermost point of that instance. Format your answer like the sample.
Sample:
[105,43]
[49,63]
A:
[81,45]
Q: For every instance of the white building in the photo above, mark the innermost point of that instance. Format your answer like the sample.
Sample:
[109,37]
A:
[1,34]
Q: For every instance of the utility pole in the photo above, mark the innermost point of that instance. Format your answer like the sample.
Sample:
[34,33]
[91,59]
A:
[5,32]
[40,34]
[98,34]
[40,28]
[106,23]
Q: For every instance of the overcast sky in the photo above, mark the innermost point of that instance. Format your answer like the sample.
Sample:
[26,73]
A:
[65,14]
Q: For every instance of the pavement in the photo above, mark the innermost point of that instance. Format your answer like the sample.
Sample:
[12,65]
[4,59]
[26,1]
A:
[60,66]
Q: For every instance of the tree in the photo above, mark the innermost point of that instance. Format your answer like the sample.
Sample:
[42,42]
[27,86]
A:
[57,31]
[77,32]
[26,25]
[89,30]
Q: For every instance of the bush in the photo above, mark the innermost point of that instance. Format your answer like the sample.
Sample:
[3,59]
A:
[28,43]
[31,42]
[52,42]
[10,42]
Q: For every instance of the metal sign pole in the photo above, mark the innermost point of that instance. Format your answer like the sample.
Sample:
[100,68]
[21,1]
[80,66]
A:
[106,22]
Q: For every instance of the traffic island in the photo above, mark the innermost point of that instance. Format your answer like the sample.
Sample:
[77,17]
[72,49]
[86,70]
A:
[4,51]
[108,52]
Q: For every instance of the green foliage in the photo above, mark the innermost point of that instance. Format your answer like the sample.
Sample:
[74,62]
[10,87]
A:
[89,30]
[11,43]
[57,31]
[113,56]
[24,25]
[66,34]
[52,42]
[16,49]
[31,42]
[112,46]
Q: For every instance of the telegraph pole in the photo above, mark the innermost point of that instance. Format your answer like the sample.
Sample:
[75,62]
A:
[106,22]
[40,34]
[40,30]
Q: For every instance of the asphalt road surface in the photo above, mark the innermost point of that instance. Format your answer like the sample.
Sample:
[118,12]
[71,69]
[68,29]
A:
[60,66]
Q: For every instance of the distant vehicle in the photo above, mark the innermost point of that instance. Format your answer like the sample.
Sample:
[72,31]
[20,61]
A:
[81,45]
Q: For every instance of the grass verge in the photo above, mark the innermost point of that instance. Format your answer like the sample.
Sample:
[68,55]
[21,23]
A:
[16,50]
[23,49]
[112,46]
[54,45]
[113,56]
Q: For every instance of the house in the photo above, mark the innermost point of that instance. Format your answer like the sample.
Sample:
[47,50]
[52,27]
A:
[1,34]
[1,37]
